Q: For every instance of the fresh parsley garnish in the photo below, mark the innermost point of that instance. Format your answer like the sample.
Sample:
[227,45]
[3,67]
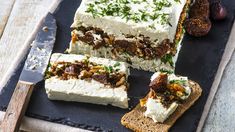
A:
[123,9]
[177,1]
[181,82]
[116,64]
[168,58]
[108,69]
[166,71]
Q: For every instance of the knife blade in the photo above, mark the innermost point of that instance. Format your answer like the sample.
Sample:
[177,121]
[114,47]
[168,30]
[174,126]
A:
[32,73]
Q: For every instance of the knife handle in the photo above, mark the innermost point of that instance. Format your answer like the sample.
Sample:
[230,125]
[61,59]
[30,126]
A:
[17,107]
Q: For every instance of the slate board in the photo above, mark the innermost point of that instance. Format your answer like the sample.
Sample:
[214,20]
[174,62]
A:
[199,59]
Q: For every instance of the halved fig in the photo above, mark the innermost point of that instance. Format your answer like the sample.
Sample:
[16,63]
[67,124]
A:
[218,11]
[198,26]
[200,9]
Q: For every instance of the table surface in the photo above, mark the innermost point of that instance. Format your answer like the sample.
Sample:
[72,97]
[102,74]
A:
[19,17]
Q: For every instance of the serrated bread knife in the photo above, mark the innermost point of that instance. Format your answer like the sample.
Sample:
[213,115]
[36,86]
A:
[32,73]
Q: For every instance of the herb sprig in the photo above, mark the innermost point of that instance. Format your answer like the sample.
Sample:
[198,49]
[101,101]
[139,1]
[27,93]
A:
[168,58]
[181,82]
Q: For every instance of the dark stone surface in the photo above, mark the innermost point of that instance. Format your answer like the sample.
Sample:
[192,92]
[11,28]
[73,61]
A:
[198,59]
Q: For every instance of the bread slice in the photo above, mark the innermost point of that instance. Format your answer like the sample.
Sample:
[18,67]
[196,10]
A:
[136,121]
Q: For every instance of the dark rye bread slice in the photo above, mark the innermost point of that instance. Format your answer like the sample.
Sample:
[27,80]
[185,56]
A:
[136,121]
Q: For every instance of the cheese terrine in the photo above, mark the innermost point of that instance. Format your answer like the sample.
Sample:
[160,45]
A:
[87,79]
[144,33]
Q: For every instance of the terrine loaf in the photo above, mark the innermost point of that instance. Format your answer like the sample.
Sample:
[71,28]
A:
[87,79]
[169,97]
[144,33]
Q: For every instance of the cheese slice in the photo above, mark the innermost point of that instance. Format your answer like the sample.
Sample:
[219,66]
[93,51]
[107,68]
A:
[155,109]
[88,91]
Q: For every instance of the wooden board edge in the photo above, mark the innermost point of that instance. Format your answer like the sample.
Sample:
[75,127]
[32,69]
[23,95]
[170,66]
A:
[19,58]
[31,124]
[9,10]
[228,52]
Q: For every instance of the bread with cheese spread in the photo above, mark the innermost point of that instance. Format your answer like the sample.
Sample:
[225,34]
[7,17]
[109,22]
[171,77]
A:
[137,120]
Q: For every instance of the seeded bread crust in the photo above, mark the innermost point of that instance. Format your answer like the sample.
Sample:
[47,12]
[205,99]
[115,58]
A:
[136,121]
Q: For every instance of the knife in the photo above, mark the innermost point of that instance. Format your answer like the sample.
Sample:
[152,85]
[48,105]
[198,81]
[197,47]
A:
[32,73]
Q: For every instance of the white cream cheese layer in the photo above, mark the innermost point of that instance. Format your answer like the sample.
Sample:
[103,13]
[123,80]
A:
[88,91]
[155,109]
[136,62]
[118,25]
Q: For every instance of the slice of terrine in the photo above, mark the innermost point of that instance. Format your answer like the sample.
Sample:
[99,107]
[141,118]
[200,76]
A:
[87,79]
[166,91]
[145,33]
[169,97]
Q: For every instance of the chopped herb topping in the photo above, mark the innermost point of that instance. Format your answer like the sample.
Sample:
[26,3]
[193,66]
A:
[108,69]
[168,58]
[181,82]
[166,71]
[160,4]
[116,64]
[143,11]
[177,1]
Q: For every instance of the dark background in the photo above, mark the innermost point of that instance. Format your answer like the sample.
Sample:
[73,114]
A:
[199,59]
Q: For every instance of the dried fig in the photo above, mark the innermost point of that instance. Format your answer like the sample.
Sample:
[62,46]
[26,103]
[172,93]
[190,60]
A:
[218,11]
[198,26]
[200,10]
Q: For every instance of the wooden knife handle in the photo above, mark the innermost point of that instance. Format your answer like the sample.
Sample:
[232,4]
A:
[17,107]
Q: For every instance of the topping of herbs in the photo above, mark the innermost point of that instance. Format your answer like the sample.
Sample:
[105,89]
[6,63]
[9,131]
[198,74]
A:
[152,26]
[106,68]
[159,4]
[133,10]
[116,64]
[177,1]
[111,69]
[164,19]
[177,42]
[168,58]
[166,71]
[181,82]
